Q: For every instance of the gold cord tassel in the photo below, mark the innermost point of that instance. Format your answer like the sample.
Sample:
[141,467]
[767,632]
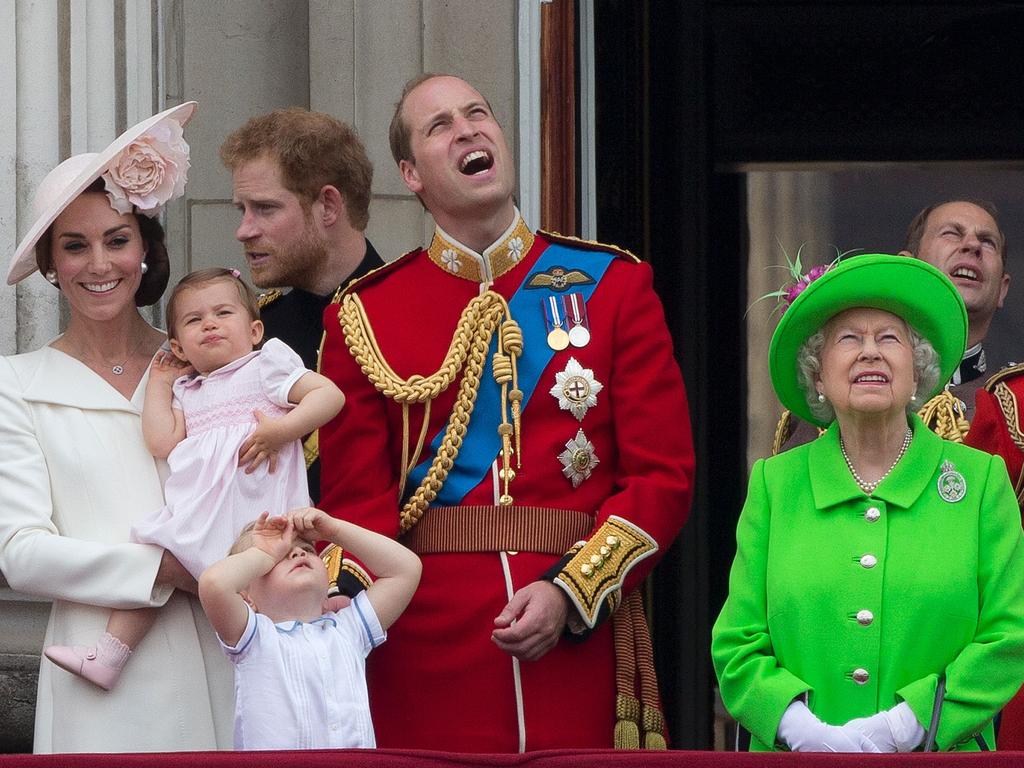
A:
[627,722]
[512,341]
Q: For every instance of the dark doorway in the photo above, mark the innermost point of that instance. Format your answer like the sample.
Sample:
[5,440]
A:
[690,94]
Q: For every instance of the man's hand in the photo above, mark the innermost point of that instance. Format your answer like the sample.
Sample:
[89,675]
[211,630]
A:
[261,445]
[531,623]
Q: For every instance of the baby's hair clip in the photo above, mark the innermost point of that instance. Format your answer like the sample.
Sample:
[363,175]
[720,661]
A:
[235,273]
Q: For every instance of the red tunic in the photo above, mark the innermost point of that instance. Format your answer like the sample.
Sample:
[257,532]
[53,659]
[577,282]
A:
[997,413]
[440,682]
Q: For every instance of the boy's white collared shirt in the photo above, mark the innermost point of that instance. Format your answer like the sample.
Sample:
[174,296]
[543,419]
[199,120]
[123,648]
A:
[302,685]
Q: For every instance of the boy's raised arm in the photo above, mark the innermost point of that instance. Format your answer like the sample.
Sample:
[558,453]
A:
[221,585]
[397,570]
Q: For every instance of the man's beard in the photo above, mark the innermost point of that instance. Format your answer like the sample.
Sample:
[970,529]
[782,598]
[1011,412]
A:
[294,265]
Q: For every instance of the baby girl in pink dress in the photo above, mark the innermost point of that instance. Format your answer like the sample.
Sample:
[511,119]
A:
[231,435]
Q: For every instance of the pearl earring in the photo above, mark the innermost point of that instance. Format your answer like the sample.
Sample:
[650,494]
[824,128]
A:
[51,276]
[144,268]
[821,397]
[913,398]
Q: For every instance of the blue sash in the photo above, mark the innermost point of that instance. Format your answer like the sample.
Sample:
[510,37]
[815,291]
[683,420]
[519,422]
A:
[482,443]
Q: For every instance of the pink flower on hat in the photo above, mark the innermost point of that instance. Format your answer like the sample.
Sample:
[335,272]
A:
[150,171]
[787,294]
[797,288]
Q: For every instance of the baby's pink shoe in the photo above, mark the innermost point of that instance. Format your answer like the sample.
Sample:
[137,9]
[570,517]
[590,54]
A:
[101,665]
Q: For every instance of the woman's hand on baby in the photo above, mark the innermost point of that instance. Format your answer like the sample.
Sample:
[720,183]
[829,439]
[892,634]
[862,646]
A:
[274,536]
[174,574]
[261,445]
[166,368]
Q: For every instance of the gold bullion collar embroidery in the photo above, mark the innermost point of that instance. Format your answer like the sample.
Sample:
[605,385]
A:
[461,260]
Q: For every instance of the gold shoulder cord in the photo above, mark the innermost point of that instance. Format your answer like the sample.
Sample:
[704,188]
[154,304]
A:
[482,316]
[944,416]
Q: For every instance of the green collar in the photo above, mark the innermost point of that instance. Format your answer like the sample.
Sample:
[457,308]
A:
[832,484]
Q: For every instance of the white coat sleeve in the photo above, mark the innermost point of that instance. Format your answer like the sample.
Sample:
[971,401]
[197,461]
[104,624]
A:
[35,557]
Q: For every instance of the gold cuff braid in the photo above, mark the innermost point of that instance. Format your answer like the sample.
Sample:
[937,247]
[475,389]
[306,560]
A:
[480,319]
[598,569]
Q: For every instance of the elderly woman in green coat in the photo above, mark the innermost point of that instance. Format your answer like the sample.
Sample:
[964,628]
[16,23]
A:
[876,602]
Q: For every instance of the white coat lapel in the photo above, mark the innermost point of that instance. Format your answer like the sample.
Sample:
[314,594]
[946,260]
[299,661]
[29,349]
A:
[60,379]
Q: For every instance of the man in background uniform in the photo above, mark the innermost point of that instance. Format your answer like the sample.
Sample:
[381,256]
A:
[302,184]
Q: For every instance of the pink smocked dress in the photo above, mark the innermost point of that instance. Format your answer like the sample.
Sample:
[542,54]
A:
[209,497]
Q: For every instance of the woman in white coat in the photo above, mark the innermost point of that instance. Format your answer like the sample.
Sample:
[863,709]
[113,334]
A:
[75,472]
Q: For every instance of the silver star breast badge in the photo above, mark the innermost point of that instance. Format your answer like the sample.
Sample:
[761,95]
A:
[578,459]
[952,485]
[576,389]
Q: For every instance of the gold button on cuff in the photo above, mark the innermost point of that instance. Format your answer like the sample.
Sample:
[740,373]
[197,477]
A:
[587,569]
[612,541]
[868,561]
[861,676]
[865,617]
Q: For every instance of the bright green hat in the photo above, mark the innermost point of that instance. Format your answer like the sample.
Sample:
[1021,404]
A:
[910,289]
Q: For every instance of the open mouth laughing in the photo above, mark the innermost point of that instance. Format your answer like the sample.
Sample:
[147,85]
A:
[477,161]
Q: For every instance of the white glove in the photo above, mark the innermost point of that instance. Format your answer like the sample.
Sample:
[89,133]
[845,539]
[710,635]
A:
[802,731]
[891,730]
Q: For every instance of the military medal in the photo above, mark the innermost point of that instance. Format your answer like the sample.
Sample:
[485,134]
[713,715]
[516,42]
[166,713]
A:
[558,337]
[578,459]
[952,485]
[579,334]
[576,388]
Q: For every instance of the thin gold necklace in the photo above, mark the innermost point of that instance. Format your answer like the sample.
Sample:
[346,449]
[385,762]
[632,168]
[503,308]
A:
[867,487]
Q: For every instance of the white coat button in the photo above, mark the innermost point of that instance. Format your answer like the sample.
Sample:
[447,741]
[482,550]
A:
[860,676]
[872,514]
[868,561]
[865,617]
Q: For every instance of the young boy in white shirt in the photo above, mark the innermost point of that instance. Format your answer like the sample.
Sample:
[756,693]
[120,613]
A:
[300,678]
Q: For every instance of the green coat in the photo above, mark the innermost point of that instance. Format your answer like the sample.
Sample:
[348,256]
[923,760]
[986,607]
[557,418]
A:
[945,594]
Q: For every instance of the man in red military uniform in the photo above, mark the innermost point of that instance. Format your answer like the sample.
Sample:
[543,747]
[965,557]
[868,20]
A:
[516,417]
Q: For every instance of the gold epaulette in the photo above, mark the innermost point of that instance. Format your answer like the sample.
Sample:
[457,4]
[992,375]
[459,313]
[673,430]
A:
[372,275]
[783,430]
[337,564]
[596,571]
[1003,374]
[311,448]
[588,245]
[265,299]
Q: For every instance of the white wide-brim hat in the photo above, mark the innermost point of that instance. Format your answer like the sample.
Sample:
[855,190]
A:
[69,179]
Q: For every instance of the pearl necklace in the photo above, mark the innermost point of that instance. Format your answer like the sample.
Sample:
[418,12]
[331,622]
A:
[869,488]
